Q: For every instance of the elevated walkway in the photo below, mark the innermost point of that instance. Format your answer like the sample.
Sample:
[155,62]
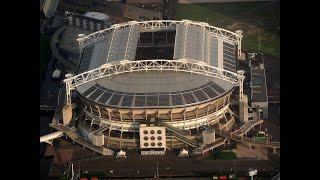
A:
[245,128]
[71,133]
[101,129]
[230,135]
[218,142]
[49,137]
[181,135]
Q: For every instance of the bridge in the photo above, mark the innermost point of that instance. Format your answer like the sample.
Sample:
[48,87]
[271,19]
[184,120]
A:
[218,142]
[49,137]
[180,135]
[71,133]
[245,128]
[231,135]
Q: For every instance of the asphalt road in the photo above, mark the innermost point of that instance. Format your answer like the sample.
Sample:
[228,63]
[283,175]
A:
[169,165]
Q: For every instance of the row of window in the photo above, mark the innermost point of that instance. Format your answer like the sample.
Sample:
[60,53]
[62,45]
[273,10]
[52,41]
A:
[176,116]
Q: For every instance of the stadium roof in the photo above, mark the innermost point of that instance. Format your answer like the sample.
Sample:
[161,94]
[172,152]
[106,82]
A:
[194,40]
[154,90]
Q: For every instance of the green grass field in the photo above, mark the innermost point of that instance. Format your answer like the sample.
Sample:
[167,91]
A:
[45,53]
[259,139]
[263,15]
[220,155]
[226,155]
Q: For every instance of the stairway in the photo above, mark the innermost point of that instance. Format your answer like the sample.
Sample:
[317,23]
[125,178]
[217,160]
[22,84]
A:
[180,135]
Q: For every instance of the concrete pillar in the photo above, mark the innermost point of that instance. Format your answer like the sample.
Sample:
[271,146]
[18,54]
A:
[274,150]
[184,115]
[133,117]
[171,116]
[110,129]
[120,116]
[109,112]
[99,112]
[197,110]
[243,109]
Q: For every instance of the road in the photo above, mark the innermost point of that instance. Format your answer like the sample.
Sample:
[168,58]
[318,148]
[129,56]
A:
[169,165]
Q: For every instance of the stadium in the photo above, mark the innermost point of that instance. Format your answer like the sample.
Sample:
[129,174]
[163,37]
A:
[152,85]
